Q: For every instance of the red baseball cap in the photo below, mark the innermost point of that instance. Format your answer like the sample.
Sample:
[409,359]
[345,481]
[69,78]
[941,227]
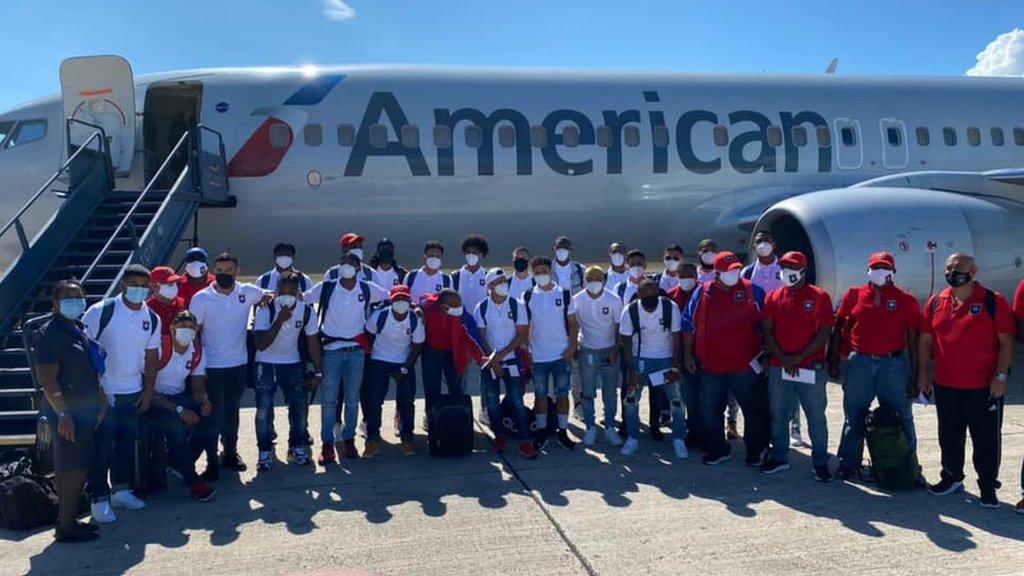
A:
[164,275]
[400,291]
[795,259]
[882,259]
[351,238]
[725,261]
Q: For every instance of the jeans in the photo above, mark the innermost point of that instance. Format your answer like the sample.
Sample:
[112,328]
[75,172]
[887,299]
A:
[115,448]
[436,365]
[673,393]
[692,396]
[813,399]
[595,365]
[750,392]
[379,375]
[184,443]
[958,411]
[656,401]
[491,390]
[225,387]
[288,377]
[559,371]
[866,378]
[341,368]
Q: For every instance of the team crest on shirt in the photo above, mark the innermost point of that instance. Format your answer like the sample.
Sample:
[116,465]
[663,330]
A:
[808,305]
[359,297]
[510,317]
[605,311]
[739,295]
[394,282]
[975,309]
[241,298]
[298,324]
[145,325]
[437,287]
[482,283]
[558,301]
[890,305]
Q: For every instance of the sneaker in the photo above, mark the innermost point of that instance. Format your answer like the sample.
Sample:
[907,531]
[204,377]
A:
[946,486]
[612,436]
[565,441]
[526,450]
[126,499]
[754,460]
[407,448]
[201,491]
[264,462]
[630,447]
[212,472]
[348,448]
[102,513]
[298,456]
[664,418]
[232,461]
[500,444]
[679,446]
[1019,508]
[656,434]
[731,433]
[771,466]
[371,450]
[590,436]
[76,533]
[822,474]
[622,431]
[796,439]
[715,459]
[540,440]
[327,455]
[989,498]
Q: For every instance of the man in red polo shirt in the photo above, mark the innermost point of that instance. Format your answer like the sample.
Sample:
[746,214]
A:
[197,275]
[163,298]
[880,320]
[796,322]
[968,330]
[721,331]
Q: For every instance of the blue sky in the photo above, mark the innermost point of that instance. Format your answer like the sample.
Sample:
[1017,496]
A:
[869,37]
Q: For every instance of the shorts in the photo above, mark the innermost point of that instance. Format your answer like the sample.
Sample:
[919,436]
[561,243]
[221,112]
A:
[559,370]
[77,455]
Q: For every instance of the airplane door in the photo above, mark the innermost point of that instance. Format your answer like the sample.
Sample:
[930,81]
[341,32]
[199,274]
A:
[101,90]
[894,143]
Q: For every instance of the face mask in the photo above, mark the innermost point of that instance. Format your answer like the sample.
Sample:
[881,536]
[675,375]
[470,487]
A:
[168,291]
[671,264]
[956,278]
[687,284]
[472,259]
[520,264]
[400,306]
[501,289]
[729,278]
[708,258]
[595,287]
[72,308]
[879,276]
[434,263]
[562,254]
[542,280]
[184,336]
[764,249]
[225,280]
[790,277]
[347,271]
[285,301]
[649,302]
[618,259]
[636,272]
[136,294]
[283,262]
[457,311]
[385,256]
[195,269]
[357,252]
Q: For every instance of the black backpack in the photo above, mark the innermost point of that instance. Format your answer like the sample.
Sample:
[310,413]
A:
[566,298]
[328,289]
[27,500]
[634,318]
[513,308]
[107,313]
[451,425]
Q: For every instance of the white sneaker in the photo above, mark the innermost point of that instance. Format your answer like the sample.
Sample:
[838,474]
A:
[102,513]
[612,436]
[630,447]
[590,436]
[680,448]
[126,499]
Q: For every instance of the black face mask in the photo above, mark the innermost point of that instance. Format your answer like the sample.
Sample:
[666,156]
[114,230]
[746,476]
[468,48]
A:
[520,264]
[225,280]
[957,278]
[385,256]
[649,302]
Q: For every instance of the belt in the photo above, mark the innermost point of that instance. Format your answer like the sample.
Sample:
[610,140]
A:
[895,354]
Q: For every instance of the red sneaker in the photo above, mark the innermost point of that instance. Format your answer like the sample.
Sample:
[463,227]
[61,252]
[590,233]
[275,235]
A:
[500,444]
[327,455]
[201,491]
[349,449]
[527,449]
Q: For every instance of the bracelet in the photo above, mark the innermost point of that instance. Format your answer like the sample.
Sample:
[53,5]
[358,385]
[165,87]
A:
[318,374]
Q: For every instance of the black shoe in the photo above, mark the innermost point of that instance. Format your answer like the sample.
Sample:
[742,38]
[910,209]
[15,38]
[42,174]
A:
[565,441]
[989,498]
[232,461]
[755,460]
[77,533]
[771,466]
[715,459]
[845,473]
[821,474]
[540,440]
[657,435]
[946,486]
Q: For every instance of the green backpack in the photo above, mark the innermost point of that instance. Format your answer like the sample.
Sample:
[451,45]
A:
[893,462]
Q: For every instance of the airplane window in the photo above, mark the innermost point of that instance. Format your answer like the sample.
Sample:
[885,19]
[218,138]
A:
[997,136]
[660,134]
[538,136]
[631,136]
[824,136]
[893,136]
[379,136]
[280,136]
[799,135]
[924,138]
[1018,136]
[949,136]
[973,135]
[506,136]
[604,136]
[849,136]
[5,129]
[774,136]
[410,136]
[571,136]
[474,136]
[721,135]
[442,136]
[346,135]
[26,131]
[312,134]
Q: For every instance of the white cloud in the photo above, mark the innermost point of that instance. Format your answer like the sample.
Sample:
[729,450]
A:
[1004,56]
[338,10]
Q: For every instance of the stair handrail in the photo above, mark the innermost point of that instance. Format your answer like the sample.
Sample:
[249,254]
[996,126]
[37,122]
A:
[135,206]
[223,155]
[15,222]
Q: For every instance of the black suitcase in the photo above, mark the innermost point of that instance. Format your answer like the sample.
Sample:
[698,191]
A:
[451,426]
[149,468]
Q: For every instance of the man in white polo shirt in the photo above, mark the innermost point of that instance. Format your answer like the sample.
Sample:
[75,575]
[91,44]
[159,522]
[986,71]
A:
[428,279]
[617,271]
[636,266]
[284,261]
[130,334]
[471,284]
[521,280]
[598,312]
[672,259]
[568,274]
[222,310]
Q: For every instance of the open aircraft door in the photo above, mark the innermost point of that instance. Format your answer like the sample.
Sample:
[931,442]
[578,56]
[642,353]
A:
[100,90]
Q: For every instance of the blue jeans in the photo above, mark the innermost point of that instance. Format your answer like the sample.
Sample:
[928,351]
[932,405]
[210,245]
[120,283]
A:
[750,392]
[435,366]
[595,364]
[115,448]
[288,377]
[673,393]
[490,388]
[813,399]
[867,378]
[559,371]
[184,444]
[690,385]
[379,375]
[341,366]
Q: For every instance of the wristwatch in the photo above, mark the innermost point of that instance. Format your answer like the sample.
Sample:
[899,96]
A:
[1001,376]
[179,409]
[404,370]
[318,374]
[62,414]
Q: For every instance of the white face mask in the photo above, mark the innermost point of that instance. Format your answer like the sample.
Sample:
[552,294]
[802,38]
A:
[472,259]
[285,301]
[457,311]
[879,276]
[434,263]
[501,289]
[764,249]
[671,264]
[400,306]
[195,269]
[618,259]
[357,252]
[168,291]
[635,272]
[790,277]
[687,284]
[542,279]
[561,254]
[708,258]
[184,336]
[283,262]
[595,287]
[347,271]
[729,278]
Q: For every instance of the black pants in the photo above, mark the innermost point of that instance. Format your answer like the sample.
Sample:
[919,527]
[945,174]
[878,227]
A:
[225,387]
[961,410]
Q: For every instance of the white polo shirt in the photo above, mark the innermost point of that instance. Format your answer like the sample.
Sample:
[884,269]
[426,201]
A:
[519,286]
[657,342]
[598,318]
[499,325]
[171,379]
[225,318]
[126,338]
[766,277]
[273,276]
[385,278]
[667,282]
[425,284]
[394,343]
[472,286]
[346,311]
[549,335]
[628,292]
[615,277]
[285,348]
[563,274]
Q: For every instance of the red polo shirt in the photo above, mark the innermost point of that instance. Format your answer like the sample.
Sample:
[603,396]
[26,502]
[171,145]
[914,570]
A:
[965,338]
[681,298]
[877,319]
[167,311]
[797,316]
[725,323]
[186,289]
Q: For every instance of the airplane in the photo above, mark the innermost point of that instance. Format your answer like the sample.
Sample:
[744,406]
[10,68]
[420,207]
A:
[837,166]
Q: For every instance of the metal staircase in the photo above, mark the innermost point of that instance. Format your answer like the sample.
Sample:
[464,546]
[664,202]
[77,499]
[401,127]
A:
[95,234]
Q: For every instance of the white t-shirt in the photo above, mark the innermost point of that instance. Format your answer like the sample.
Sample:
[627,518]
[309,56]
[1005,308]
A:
[615,277]
[346,311]
[628,291]
[394,343]
[225,318]
[519,286]
[273,276]
[657,342]
[598,318]
[549,335]
[386,278]
[472,286]
[766,277]
[563,275]
[126,338]
[667,282]
[499,326]
[171,379]
[285,348]
[426,284]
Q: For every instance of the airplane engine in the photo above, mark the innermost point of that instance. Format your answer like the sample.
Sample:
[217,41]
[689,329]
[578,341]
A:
[837,230]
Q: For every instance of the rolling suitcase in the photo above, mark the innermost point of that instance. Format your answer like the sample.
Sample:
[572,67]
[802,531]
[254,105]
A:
[451,426]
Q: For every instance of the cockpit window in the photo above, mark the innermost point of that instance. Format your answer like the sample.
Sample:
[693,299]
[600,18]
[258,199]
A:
[26,131]
[5,129]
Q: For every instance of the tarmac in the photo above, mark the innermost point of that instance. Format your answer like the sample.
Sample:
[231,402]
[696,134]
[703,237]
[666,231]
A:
[587,512]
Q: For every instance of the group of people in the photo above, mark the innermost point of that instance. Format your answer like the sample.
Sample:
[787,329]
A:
[175,352]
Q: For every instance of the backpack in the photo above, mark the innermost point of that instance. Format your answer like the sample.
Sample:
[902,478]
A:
[382,319]
[748,272]
[26,500]
[893,462]
[328,290]
[307,312]
[167,351]
[410,279]
[451,426]
[107,314]
[334,274]
[513,307]
[634,318]
[566,297]
[576,278]
[265,281]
